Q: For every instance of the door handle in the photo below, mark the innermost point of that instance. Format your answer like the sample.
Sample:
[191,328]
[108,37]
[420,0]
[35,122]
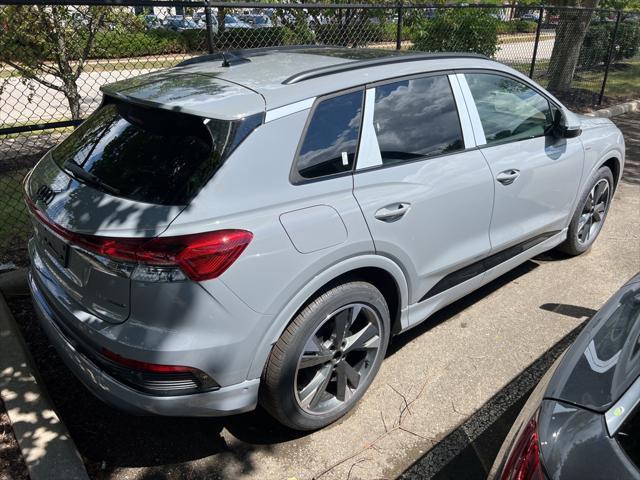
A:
[508,176]
[393,212]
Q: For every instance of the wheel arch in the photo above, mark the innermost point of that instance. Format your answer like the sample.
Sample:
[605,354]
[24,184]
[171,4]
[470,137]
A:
[380,271]
[614,164]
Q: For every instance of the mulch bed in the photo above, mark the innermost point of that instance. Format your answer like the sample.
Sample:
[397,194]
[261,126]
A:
[12,466]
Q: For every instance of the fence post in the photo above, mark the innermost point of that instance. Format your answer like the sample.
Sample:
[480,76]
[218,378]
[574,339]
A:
[399,28]
[207,17]
[610,56]
[537,41]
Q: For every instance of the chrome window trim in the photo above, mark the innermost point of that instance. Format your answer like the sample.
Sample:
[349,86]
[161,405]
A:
[290,109]
[466,125]
[474,116]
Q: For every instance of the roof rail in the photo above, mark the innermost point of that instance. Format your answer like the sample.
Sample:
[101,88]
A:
[245,53]
[359,64]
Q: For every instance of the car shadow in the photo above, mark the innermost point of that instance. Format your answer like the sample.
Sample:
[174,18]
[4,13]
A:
[458,306]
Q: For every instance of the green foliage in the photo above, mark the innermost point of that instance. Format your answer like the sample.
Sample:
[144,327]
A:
[352,34]
[597,42]
[239,38]
[458,30]
[517,26]
[525,26]
[298,34]
[114,44]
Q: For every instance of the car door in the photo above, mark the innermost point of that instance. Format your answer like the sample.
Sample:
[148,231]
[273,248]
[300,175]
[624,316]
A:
[426,193]
[536,175]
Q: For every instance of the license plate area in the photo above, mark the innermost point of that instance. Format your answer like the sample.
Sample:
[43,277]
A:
[54,245]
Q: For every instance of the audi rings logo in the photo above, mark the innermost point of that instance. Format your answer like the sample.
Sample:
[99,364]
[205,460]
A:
[45,194]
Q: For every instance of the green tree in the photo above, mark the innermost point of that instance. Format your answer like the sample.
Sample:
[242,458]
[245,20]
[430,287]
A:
[50,44]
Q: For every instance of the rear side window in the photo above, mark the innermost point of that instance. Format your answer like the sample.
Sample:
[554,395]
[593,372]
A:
[509,110]
[416,118]
[331,139]
[149,155]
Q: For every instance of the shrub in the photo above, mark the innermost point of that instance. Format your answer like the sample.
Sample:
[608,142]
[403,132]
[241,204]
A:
[350,34]
[525,26]
[299,34]
[117,44]
[504,28]
[595,48]
[240,38]
[461,30]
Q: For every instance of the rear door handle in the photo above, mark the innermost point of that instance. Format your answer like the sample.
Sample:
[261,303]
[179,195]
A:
[508,176]
[393,212]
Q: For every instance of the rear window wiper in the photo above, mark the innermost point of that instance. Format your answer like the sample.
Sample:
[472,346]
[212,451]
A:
[81,174]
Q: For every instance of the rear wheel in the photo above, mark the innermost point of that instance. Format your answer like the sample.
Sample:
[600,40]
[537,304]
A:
[590,214]
[327,357]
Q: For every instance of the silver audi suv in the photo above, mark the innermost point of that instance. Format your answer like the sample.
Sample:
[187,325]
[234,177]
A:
[254,226]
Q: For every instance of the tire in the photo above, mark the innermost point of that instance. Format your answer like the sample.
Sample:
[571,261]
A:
[579,238]
[288,385]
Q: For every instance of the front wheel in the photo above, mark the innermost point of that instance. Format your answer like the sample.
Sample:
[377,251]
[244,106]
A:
[590,214]
[327,357]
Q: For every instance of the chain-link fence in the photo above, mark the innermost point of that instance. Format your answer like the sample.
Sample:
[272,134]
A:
[54,57]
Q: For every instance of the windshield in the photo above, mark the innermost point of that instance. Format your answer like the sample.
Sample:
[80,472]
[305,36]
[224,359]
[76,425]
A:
[230,19]
[147,154]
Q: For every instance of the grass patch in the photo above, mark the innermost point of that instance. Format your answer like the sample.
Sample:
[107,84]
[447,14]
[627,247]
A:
[623,80]
[13,211]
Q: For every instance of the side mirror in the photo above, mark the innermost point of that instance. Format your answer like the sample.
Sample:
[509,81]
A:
[561,130]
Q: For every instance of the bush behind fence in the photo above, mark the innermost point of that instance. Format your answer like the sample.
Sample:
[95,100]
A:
[54,57]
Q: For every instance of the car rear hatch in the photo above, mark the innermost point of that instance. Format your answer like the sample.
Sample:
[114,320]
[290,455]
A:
[122,177]
[604,361]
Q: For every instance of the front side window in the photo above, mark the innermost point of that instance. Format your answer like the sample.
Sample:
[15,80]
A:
[415,119]
[330,141]
[509,110]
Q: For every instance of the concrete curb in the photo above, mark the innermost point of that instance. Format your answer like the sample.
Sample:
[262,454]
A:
[45,443]
[14,283]
[615,110]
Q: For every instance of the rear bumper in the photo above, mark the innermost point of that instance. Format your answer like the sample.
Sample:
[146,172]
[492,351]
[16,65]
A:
[229,400]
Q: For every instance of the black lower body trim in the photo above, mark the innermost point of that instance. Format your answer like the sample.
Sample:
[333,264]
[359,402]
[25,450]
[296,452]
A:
[481,266]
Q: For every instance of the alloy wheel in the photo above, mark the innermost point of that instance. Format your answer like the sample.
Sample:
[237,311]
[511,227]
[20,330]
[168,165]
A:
[593,212]
[337,358]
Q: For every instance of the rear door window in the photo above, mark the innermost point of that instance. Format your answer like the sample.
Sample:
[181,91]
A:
[331,138]
[416,118]
[149,155]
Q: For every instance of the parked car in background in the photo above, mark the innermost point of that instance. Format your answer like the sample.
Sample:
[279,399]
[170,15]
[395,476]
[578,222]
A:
[231,21]
[256,226]
[152,22]
[583,419]
[179,23]
[201,19]
[256,21]
[530,17]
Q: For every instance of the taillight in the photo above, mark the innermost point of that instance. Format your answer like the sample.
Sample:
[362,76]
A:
[524,459]
[201,256]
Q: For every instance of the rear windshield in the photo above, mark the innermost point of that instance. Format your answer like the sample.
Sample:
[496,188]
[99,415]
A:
[149,155]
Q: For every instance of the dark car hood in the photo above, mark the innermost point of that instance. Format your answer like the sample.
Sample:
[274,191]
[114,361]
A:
[605,358]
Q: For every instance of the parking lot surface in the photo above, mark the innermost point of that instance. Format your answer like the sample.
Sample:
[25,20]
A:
[442,386]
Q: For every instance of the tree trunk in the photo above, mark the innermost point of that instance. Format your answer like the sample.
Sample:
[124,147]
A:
[73,99]
[570,35]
